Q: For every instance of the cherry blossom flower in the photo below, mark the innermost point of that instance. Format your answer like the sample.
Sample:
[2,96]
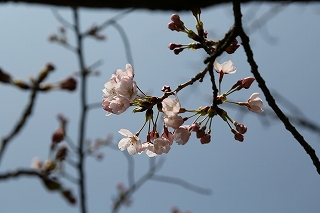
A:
[149,149]
[174,121]
[225,68]
[127,88]
[182,135]
[116,105]
[132,143]
[171,106]
[255,103]
[119,91]
[168,135]
[161,145]
[128,73]
[110,89]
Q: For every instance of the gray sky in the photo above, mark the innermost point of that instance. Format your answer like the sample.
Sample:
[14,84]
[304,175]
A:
[268,172]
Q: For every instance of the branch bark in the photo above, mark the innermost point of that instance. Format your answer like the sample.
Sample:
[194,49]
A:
[142,4]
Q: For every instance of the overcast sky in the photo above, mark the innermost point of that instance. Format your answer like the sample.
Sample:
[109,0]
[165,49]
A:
[268,172]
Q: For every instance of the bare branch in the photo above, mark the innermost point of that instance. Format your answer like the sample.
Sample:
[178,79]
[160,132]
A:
[144,4]
[272,103]
[182,183]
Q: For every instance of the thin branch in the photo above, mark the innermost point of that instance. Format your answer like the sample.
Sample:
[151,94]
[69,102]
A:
[95,106]
[21,172]
[109,22]
[83,99]
[125,41]
[130,171]
[73,147]
[69,177]
[62,20]
[272,103]
[137,185]
[182,183]
[71,162]
[27,111]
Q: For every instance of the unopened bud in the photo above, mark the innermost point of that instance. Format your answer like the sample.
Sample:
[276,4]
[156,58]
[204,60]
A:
[240,128]
[246,82]
[205,139]
[68,84]
[48,166]
[4,77]
[237,135]
[172,46]
[201,132]
[21,84]
[44,72]
[58,135]
[177,51]
[69,196]
[166,88]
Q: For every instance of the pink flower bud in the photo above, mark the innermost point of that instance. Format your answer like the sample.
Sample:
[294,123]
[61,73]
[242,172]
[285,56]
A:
[58,136]
[68,84]
[240,128]
[238,137]
[205,139]
[177,51]
[175,18]
[245,82]
[166,88]
[172,26]
[195,127]
[172,46]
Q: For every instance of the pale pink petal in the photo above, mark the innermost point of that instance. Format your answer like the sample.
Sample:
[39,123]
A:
[181,135]
[124,143]
[173,121]
[125,132]
[217,66]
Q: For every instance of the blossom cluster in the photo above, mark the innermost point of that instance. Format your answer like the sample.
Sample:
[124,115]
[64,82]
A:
[121,92]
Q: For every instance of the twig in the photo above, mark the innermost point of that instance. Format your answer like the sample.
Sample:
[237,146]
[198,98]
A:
[182,183]
[137,185]
[25,115]
[83,99]
[272,103]
[125,41]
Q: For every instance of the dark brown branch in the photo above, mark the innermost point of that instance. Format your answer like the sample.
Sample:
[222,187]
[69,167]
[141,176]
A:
[143,4]
[27,111]
[272,103]
[83,99]
[49,183]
